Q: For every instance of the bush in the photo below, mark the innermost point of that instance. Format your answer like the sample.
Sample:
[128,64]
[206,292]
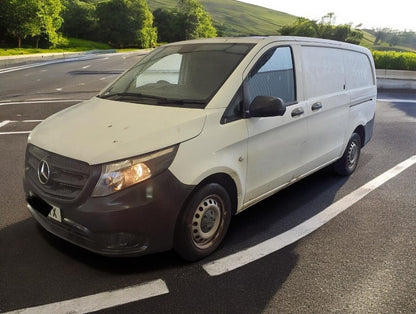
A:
[392,60]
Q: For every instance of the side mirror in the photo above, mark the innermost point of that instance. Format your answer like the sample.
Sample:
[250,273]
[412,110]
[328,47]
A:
[265,106]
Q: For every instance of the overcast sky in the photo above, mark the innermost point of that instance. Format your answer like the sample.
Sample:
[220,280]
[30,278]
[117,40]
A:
[397,14]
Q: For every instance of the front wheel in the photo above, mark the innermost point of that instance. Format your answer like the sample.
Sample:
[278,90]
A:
[203,222]
[349,160]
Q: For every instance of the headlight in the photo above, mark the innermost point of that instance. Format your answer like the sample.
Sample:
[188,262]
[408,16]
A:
[122,174]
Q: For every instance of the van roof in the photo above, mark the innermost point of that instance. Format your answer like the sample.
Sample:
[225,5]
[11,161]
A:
[269,39]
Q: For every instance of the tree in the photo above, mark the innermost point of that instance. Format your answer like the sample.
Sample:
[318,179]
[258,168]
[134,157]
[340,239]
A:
[32,18]
[80,19]
[197,23]
[188,21]
[301,27]
[323,29]
[126,23]
[50,20]
[21,19]
[168,24]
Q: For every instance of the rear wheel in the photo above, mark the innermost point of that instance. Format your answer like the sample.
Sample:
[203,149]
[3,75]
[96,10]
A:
[349,160]
[203,223]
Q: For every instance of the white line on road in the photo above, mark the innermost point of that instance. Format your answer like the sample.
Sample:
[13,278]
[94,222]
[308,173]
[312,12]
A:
[102,300]
[397,100]
[39,102]
[16,132]
[239,259]
[5,122]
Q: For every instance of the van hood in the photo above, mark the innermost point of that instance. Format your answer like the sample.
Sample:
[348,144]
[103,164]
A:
[100,131]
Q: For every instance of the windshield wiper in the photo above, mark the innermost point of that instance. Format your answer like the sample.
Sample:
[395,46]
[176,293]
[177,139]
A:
[126,95]
[159,100]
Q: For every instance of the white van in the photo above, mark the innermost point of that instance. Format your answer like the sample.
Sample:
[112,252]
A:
[194,133]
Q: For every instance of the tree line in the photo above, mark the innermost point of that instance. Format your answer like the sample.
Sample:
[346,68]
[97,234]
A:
[394,37]
[120,23]
[324,28]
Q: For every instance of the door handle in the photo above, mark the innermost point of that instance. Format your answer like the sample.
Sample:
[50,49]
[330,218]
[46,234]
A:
[297,112]
[316,106]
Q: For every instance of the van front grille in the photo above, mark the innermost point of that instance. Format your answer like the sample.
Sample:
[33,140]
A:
[63,178]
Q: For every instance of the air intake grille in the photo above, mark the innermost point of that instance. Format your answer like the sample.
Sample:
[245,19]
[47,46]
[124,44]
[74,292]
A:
[66,177]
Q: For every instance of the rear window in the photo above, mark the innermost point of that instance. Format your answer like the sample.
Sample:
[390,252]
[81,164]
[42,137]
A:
[359,70]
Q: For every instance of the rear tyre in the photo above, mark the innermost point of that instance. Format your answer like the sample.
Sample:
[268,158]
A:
[349,160]
[203,222]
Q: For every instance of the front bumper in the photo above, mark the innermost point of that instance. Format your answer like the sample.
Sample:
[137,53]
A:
[138,220]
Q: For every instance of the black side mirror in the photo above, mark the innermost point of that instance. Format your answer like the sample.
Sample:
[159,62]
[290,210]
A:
[265,106]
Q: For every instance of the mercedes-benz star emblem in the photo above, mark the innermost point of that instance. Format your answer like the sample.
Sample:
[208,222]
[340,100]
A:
[43,172]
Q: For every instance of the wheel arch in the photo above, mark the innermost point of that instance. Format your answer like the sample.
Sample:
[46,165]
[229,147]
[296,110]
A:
[227,182]
[360,130]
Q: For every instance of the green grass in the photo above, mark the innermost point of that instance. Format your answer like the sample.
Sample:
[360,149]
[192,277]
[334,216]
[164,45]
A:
[66,45]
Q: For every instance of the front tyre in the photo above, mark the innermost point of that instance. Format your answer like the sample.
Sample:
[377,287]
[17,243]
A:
[349,160]
[203,222]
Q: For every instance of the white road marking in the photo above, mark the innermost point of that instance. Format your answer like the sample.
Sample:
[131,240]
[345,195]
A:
[43,63]
[29,121]
[397,100]
[6,122]
[14,133]
[241,258]
[39,102]
[102,300]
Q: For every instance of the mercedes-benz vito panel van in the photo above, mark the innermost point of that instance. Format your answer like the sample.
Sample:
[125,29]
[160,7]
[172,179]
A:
[194,133]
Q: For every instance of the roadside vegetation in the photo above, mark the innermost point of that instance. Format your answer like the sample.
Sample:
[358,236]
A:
[393,60]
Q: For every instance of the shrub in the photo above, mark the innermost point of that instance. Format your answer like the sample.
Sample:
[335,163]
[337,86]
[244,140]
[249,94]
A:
[392,60]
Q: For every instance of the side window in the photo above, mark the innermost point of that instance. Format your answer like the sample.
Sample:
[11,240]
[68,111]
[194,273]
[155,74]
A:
[273,75]
[358,70]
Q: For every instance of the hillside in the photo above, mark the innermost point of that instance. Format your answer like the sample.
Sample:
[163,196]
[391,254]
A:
[234,18]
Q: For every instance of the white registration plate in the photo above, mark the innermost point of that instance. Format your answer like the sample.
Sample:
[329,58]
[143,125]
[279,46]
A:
[55,214]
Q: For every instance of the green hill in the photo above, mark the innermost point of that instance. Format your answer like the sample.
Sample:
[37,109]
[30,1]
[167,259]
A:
[234,18]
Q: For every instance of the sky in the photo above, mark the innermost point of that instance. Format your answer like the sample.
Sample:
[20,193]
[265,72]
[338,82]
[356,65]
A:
[397,14]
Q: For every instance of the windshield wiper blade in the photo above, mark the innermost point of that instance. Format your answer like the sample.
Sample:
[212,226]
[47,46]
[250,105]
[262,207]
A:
[124,94]
[160,100]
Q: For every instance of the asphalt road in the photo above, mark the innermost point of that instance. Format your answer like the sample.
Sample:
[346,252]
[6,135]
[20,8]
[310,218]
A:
[361,261]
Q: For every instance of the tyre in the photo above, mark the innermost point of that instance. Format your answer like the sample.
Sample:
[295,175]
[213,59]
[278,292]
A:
[203,222]
[349,160]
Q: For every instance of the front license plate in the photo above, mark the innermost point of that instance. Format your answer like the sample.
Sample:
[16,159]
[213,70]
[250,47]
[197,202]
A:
[55,214]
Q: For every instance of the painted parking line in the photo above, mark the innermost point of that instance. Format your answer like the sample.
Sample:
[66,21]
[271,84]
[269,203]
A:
[241,258]
[397,100]
[6,122]
[102,300]
[39,102]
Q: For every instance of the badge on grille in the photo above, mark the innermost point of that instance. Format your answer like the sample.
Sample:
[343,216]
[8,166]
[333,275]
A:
[43,172]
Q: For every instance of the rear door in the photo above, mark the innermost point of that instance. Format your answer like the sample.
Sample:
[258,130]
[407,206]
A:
[275,144]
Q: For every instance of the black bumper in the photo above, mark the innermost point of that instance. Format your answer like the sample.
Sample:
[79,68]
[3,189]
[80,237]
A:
[369,127]
[138,220]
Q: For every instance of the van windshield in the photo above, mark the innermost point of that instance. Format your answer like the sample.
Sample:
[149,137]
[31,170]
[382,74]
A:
[185,75]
